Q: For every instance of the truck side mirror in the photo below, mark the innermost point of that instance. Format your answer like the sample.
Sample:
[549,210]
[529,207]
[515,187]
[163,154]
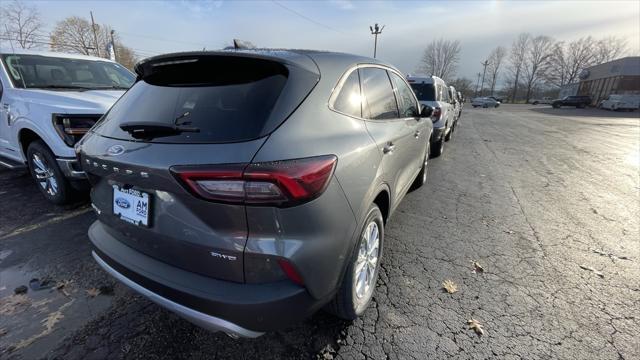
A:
[426,111]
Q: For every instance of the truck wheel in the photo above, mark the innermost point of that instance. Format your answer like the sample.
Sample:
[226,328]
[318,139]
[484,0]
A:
[359,281]
[48,176]
[450,134]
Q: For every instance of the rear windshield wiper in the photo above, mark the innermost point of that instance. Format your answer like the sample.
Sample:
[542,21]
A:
[150,129]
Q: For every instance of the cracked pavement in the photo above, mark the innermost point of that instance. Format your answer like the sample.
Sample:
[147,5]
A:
[535,195]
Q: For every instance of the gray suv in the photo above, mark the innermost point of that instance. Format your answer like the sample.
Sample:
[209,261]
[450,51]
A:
[246,190]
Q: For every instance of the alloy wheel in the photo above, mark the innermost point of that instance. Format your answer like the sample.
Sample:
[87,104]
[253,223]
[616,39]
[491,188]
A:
[367,261]
[44,174]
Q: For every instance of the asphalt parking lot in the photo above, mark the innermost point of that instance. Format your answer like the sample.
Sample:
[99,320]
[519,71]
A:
[546,200]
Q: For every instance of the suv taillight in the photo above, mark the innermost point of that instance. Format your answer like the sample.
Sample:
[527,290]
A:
[278,183]
[435,116]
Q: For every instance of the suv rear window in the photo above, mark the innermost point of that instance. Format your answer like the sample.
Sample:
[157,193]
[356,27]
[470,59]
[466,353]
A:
[228,99]
[424,92]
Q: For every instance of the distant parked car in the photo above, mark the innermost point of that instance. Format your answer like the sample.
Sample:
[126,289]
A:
[496,99]
[48,101]
[577,101]
[433,91]
[453,94]
[621,102]
[484,102]
[544,100]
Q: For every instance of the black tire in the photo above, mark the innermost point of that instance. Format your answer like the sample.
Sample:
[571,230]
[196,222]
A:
[535,103]
[56,188]
[450,133]
[421,179]
[437,147]
[556,106]
[346,304]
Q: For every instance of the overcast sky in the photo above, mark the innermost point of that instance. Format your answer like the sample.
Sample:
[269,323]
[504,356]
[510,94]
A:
[151,27]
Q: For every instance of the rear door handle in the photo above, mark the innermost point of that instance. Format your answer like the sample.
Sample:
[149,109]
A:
[387,149]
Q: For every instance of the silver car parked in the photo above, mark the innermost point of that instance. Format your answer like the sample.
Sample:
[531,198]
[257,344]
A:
[245,190]
[434,92]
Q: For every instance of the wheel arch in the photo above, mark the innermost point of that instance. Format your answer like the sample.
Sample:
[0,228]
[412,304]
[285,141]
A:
[25,137]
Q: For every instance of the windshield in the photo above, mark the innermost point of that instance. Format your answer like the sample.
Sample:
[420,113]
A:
[424,92]
[44,72]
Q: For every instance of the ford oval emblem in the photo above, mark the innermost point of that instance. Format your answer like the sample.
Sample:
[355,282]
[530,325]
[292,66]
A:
[123,203]
[115,150]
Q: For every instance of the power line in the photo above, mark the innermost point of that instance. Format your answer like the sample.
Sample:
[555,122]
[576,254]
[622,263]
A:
[306,18]
[142,53]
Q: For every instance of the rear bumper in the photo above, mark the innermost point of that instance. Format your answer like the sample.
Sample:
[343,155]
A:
[240,310]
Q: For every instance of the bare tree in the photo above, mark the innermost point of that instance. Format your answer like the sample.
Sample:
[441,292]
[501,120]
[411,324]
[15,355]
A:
[496,58]
[125,56]
[441,58]
[568,59]
[464,85]
[21,24]
[536,62]
[75,34]
[517,59]
[609,48]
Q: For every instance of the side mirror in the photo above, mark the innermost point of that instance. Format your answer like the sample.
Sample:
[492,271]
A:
[425,111]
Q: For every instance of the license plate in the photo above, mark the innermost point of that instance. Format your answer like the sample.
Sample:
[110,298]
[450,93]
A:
[131,205]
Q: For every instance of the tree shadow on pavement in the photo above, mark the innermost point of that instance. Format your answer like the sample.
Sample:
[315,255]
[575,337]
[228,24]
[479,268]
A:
[587,112]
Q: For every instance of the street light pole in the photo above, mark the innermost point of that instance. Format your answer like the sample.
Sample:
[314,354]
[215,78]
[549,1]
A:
[113,46]
[477,84]
[484,71]
[375,31]
[95,36]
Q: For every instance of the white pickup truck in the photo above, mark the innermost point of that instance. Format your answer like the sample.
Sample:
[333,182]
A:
[48,101]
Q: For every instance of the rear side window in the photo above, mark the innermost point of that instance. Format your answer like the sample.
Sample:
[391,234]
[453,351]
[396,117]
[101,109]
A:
[444,93]
[424,92]
[349,100]
[226,99]
[379,100]
[406,101]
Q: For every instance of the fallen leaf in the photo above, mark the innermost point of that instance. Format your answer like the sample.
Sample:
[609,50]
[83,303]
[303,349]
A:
[589,268]
[62,286]
[475,326]
[477,268]
[3,332]
[510,232]
[13,304]
[48,323]
[450,286]
[93,292]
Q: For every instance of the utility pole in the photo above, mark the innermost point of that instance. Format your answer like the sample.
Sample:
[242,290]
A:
[375,31]
[477,84]
[484,71]
[113,47]
[95,35]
